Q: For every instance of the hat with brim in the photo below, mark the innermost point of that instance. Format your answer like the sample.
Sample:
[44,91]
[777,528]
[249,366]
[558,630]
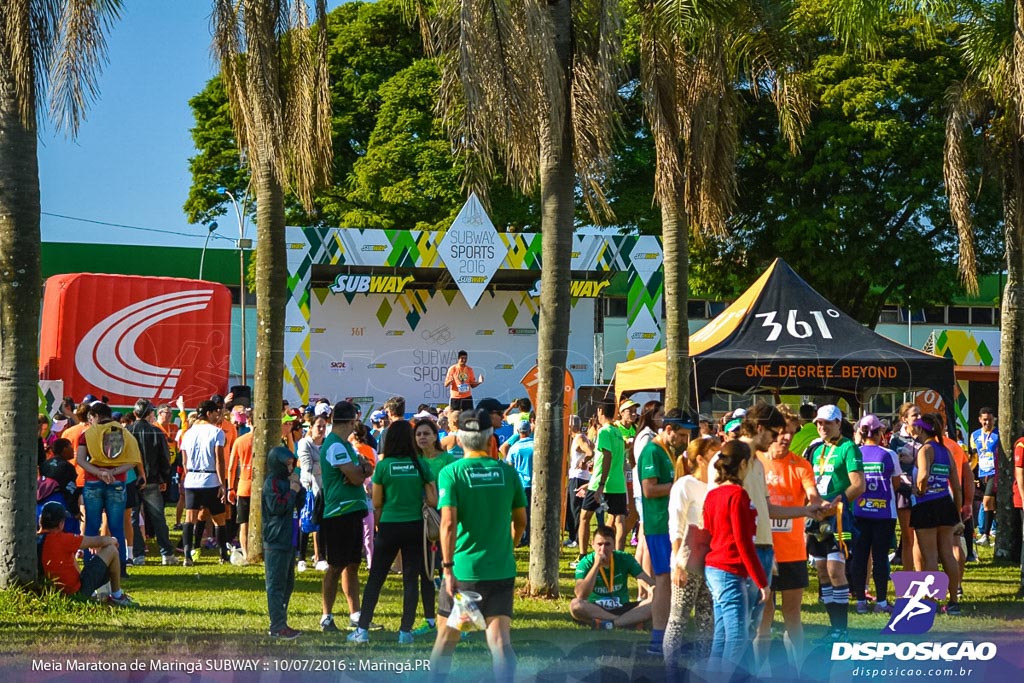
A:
[491,405]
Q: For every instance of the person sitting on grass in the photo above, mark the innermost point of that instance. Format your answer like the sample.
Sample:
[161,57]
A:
[57,550]
[602,594]
[279,503]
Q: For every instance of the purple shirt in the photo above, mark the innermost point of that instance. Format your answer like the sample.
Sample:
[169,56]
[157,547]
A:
[878,500]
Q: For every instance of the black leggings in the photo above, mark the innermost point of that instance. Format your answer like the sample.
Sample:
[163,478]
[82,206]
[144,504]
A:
[393,537]
[874,538]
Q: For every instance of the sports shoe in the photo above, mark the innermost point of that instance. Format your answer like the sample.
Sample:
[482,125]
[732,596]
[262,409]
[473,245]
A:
[177,527]
[195,554]
[285,634]
[862,607]
[834,635]
[209,543]
[404,637]
[322,566]
[972,557]
[883,606]
[603,625]
[353,624]
[953,609]
[301,566]
[424,629]
[124,601]
[168,560]
[575,563]
[655,650]
[982,540]
[360,635]
[139,561]
[188,562]
[570,544]
[327,625]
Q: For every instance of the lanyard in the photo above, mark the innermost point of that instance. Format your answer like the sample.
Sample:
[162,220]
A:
[821,461]
[611,574]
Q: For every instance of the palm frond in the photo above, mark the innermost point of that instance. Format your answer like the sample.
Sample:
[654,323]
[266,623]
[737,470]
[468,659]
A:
[954,169]
[658,68]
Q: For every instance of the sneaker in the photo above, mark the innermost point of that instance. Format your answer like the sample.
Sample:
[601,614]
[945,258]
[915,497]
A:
[655,650]
[177,527]
[209,543]
[301,566]
[168,560]
[834,635]
[960,591]
[424,629]
[862,607]
[327,625]
[982,540]
[322,566]
[188,562]
[353,624]
[603,625]
[139,561]
[953,609]
[404,637]
[972,557]
[195,554]
[883,606]
[285,634]
[575,563]
[360,635]
[570,544]
[124,601]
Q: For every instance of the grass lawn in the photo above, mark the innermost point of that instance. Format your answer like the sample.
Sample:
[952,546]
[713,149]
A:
[212,610]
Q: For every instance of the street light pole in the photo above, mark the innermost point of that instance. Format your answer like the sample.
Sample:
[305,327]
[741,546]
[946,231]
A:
[242,245]
[202,257]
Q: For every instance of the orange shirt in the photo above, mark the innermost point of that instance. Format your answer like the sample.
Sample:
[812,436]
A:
[460,380]
[73,434]
[230,434]
[59,564]
[170,430]
[959,457]
[241,457]
[789,480]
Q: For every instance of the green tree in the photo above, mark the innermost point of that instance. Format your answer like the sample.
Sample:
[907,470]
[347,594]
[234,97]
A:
[989,102]
[274,71]
[48,49]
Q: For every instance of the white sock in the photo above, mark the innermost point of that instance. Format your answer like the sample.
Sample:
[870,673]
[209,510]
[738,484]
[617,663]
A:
[354,617]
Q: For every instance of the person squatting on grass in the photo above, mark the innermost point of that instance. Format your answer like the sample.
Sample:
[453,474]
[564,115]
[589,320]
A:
[280,498]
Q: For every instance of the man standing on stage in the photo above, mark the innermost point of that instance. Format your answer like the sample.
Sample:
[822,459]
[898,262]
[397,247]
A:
[461,380]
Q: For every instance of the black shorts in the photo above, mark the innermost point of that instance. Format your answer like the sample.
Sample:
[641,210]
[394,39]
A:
[934,513]
[792,575]
[242,509]
[617,504]
[461,403]
[341,539]
[988,485]
[495,597]
[209,498]
[131,496]
[95,573]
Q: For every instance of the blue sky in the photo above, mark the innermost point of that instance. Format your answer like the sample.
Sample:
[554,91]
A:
[129,163]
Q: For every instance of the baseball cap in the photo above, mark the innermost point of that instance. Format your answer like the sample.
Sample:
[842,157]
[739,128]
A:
[322,410]
[295,413]
[869,422]
[627,404]
[423,414]
[53,514]
[490,405]
[478,420]
[828,413]
[523,427]
[739,413]
[732,426]
[378,416]
[344,410]
[218,399]
[88,400]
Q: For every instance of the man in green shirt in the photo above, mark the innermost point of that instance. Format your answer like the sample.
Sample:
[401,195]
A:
[341,530]
[602,593]
[608,484]
[839,476]
[657,475]
[483,510]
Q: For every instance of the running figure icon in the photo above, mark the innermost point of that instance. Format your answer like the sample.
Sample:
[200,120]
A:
[915,609]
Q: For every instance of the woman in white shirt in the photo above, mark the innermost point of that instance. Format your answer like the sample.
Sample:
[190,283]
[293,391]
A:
[308,452]
[689,590]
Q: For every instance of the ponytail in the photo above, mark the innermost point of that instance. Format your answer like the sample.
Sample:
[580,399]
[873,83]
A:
[730,460]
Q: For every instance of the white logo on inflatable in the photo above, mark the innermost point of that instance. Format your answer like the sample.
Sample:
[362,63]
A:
[106,356]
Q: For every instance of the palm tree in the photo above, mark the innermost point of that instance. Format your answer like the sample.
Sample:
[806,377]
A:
[533,84]
[274,69]
[694,64]
[49,48]
[990,101]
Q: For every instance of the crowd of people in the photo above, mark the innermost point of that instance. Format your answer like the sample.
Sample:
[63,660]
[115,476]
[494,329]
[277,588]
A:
[727,518]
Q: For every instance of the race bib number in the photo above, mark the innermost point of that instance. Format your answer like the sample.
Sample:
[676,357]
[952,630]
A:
[823,484]
[463,388]
[986,462]
[782,526]
[608,603]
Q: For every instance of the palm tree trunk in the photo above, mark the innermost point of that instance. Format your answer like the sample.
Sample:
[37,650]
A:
[20,293]
[1011,341]
[675,241]
[271,298]
[557,186]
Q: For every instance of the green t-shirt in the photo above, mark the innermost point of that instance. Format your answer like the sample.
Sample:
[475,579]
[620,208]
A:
[832,466]
[484,491]
[623,565]
[438,463]
[803,438]
[403,489]
[610,439]
[340,497]
[654,463]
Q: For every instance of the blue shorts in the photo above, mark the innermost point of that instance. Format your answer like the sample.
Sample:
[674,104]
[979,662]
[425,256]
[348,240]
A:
[660,549]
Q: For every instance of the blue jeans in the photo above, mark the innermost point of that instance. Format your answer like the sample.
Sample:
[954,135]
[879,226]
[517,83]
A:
[730,594]
[767,557]
[111,498]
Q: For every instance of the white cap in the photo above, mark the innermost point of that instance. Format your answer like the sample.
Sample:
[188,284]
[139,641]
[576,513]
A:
[829,413]
[738,413]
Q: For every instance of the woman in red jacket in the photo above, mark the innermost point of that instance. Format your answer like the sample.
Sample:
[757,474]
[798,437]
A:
[732,562]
